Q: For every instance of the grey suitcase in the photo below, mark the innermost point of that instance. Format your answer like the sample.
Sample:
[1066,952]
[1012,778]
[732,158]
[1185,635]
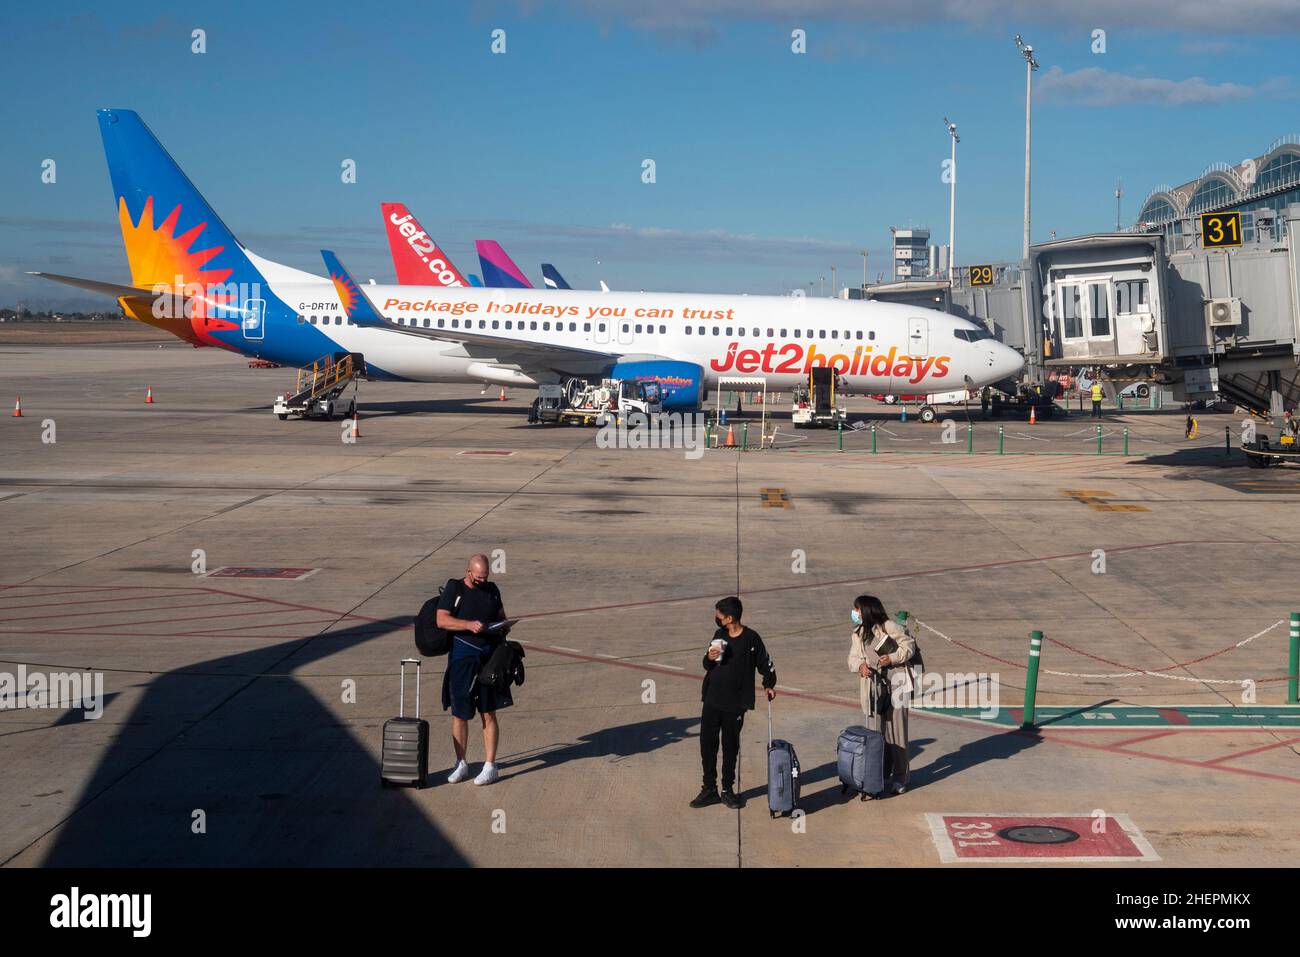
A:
[860,758]
[405,758]
[782,773]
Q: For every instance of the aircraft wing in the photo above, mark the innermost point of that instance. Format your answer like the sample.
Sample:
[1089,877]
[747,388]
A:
[94,285]
[500,350]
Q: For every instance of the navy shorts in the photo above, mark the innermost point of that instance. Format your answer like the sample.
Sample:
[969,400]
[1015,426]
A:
[463,693]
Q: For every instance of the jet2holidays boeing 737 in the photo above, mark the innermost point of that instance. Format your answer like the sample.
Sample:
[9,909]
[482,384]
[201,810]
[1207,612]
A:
[191,276]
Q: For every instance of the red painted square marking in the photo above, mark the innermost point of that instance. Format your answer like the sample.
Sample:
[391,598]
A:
[961,838]
[250,571]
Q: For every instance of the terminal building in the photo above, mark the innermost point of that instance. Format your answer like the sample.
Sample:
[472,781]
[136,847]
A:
[1259,188]
[1201,295]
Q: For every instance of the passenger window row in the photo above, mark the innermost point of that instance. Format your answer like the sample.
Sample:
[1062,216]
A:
[639,328]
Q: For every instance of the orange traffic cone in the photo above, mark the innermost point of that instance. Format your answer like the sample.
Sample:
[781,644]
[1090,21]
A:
[731,437]
[148,395]
[18,407]
[356,424]
[502,396]
[1033,419]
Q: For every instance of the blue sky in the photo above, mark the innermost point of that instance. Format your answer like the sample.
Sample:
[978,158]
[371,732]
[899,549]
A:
[771,166]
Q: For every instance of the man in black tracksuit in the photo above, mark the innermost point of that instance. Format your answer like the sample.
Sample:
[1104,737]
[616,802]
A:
[735,653]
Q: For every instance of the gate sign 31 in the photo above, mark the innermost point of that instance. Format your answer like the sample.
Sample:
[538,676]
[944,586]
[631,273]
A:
[1220,229]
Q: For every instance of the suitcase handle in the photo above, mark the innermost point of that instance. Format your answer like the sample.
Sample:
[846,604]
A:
[401,695]
[769,724]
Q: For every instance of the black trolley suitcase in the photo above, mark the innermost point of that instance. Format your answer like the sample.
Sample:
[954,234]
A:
[782,773]
[405,759]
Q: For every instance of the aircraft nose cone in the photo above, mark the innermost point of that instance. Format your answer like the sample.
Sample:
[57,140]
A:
[1006,361]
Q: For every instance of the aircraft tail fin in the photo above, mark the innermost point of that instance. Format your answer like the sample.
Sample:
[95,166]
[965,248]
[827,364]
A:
[417,258]
[499,270]
[356,304]
[172,236]
[551,276]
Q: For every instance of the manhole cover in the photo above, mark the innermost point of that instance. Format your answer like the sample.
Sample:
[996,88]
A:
[1038,834]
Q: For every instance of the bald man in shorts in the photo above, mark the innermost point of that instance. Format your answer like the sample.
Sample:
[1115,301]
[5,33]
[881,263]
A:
[467,606]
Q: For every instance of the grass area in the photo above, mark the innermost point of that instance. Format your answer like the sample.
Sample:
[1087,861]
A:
[80,333]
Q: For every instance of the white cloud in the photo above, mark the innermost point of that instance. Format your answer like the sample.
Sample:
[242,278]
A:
[1094,86]
[695,21]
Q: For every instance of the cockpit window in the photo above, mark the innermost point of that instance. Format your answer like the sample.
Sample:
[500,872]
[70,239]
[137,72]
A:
[972,335]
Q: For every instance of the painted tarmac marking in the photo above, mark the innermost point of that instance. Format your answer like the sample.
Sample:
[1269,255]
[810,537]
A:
[1242,754]
[1268,487]
[82,614]
[264,574]
[1095,501]
[774,498]
[983,836]
[1134,717]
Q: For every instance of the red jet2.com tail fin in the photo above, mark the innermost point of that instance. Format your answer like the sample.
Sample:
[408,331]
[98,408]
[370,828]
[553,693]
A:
[416,257]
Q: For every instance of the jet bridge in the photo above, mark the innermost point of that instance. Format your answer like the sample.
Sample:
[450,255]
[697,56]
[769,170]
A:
[1213,322]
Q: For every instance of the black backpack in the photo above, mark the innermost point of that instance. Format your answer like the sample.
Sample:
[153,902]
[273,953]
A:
[430,640]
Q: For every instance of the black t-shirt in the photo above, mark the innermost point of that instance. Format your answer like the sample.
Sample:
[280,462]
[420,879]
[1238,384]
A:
[476,604]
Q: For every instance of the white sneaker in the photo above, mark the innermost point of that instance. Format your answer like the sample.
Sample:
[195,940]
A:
[459,774]
[487,775]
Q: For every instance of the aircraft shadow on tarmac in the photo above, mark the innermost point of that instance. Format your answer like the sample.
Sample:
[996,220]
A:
[281,780]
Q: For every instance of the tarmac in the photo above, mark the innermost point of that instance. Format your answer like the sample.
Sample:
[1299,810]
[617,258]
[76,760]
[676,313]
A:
[242,716]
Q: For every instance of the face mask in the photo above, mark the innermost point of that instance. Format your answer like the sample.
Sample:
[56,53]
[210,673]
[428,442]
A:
[856,617]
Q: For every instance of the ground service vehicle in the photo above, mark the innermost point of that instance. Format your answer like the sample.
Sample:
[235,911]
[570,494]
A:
[815,401]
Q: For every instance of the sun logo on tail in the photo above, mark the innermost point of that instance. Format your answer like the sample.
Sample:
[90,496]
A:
[158,257]
[348,293]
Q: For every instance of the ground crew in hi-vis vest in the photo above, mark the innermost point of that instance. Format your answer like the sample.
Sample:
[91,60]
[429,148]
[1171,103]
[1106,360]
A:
[1096,400]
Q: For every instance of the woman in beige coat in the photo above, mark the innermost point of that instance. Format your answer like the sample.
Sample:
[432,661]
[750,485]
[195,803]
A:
[886,681]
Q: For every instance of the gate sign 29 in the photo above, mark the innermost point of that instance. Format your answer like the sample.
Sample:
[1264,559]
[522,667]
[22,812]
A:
[1220,229]
[981,275]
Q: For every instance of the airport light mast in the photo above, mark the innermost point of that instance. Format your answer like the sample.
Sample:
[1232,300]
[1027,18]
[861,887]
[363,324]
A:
[952,201]
[1031,65]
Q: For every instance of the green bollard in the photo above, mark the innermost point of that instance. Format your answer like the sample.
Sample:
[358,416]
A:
[1119,403]
[873,438]
[1227,440]
[1099,440]
[708,434]
[840,429]
[744,437]
[970,439]
[1293,667]
[1126,441]
[1031,680]
[901,617]
[999,440]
